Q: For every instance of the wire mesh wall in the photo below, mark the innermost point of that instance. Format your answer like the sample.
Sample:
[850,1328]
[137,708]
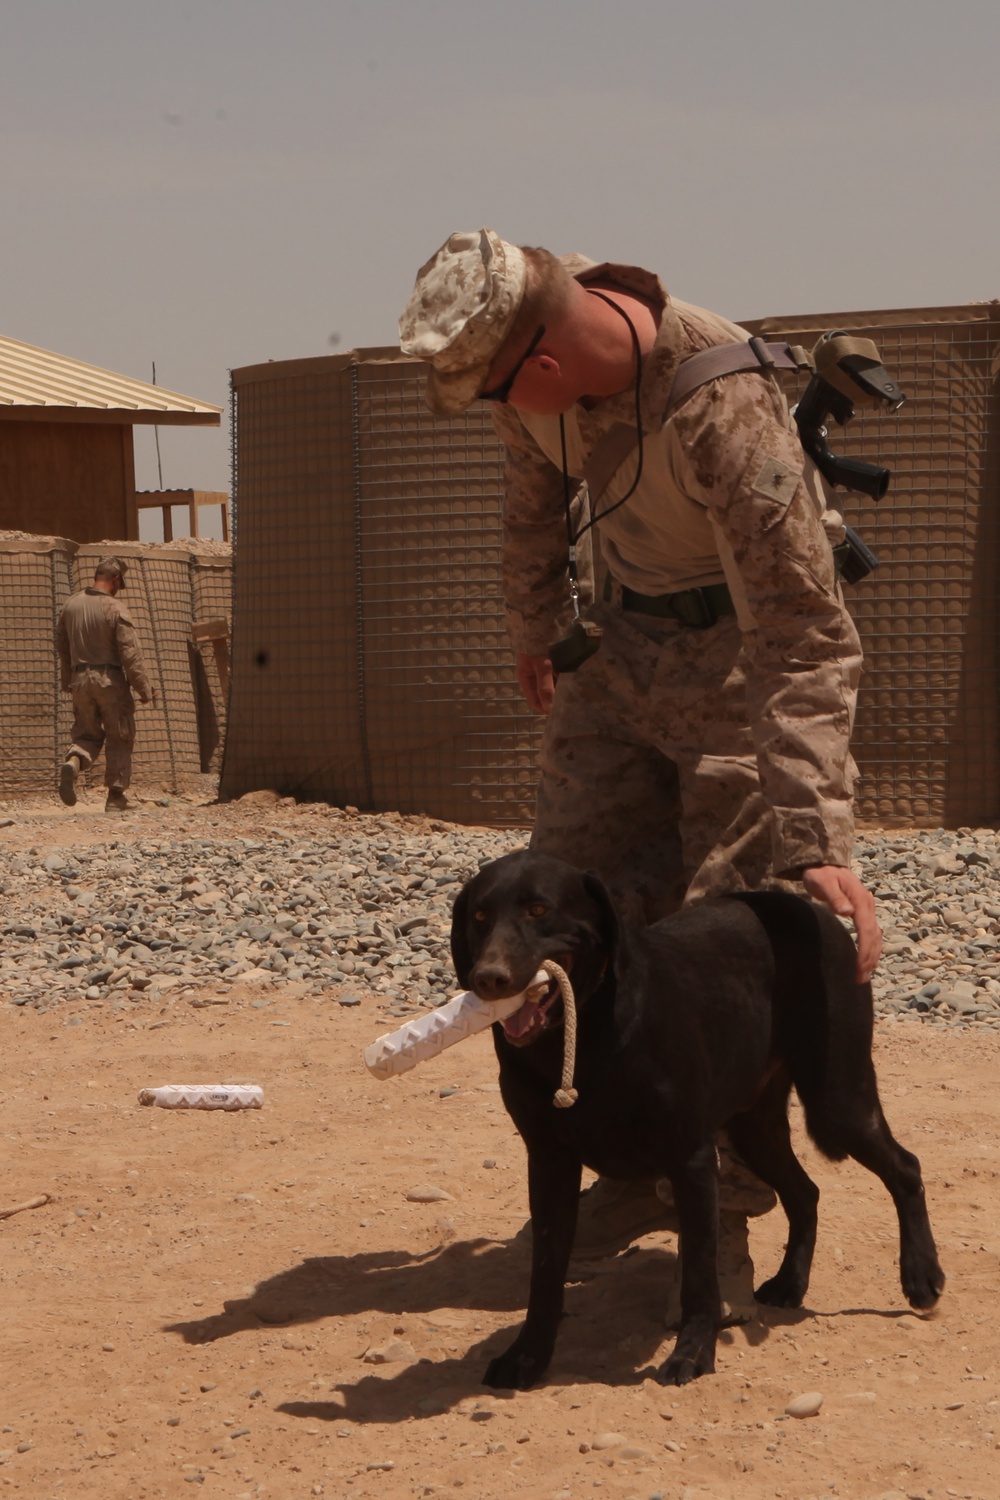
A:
[927,739]
[35,581]
[294,718]
[212,599]
[370,662]
[445,724]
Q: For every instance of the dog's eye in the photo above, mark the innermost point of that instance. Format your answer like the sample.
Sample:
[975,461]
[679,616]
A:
[537,909]
[480,916]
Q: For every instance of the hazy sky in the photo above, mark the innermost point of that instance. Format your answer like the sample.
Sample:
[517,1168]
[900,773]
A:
[219,182]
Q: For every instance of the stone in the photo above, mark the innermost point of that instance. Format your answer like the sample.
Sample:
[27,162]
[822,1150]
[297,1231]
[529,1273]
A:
[605,1440]
[428,1194]
[396,1351]
[806,1405]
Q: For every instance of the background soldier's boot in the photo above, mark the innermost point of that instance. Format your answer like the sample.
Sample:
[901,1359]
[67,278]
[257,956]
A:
[613,1214]
[67,779]
[117,801]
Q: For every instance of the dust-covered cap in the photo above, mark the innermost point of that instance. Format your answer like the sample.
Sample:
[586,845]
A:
[463,306]
[112,565]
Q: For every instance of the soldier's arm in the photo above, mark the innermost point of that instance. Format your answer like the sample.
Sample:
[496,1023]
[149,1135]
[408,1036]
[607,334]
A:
[803,652]
[65,656]
[535,546]
[130,655]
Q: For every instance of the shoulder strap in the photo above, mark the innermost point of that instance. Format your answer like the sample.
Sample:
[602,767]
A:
[728,359]
[607,456]
[611,451]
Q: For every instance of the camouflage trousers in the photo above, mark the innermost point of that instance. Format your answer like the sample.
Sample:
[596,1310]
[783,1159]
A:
[648,769]
[103,716]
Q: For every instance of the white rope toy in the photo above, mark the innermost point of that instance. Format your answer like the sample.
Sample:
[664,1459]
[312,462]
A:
[565,1095]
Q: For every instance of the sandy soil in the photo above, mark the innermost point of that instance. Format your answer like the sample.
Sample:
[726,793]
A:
[194,1304]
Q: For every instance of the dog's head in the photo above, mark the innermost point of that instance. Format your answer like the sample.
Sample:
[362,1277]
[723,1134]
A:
[520,910]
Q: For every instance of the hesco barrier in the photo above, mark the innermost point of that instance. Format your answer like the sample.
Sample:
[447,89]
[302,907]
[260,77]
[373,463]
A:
[927,739]
[166,590]
[36,577]
[371,665]
[370,662]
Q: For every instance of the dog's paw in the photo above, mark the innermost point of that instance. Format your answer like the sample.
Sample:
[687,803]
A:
[781,1291]
[515,1370]
[922,1281]
[693,1355]
[681,1369]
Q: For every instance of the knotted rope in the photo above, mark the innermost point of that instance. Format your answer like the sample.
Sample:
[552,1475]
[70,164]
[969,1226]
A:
[565,1095]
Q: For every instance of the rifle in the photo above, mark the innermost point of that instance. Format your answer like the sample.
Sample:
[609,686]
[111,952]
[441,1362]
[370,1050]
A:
[848,373]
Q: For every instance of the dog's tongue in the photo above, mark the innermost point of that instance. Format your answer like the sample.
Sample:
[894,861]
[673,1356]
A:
[520,1022]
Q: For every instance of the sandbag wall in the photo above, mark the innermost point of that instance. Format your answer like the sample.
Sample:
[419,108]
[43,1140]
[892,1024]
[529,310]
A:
[36,578]
[927,739]
[370,662]
[165,591]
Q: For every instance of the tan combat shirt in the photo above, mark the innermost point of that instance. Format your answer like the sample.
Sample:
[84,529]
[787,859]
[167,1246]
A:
[727,495]
[95,629]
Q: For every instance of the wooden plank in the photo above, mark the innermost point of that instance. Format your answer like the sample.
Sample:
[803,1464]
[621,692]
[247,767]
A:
[209,630]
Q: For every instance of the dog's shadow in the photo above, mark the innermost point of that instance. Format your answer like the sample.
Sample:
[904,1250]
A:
[613,1333]
[613,1329]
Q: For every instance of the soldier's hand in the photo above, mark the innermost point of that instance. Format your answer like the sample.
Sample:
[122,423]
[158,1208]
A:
[537,680]
[842,891]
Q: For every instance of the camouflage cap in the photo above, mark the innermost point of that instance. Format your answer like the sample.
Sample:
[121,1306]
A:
[464,303]
[108,565]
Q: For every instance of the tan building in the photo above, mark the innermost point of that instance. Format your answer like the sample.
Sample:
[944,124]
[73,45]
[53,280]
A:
[66,453]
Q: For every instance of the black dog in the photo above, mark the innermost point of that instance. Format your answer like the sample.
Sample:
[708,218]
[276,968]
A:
[705,1020]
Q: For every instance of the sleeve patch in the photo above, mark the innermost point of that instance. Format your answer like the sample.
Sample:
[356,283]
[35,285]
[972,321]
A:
[775,480]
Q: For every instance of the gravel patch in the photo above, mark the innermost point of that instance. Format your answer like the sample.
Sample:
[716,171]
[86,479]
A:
[339,900]
[267,893]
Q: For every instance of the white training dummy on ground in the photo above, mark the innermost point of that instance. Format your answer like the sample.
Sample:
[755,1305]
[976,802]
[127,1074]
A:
[204,1096]
[428,1035]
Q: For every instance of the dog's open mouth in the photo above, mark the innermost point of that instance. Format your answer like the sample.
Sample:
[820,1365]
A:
[536,1014]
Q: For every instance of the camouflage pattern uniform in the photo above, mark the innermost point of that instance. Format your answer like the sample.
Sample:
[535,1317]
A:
[680,762]
[100,663]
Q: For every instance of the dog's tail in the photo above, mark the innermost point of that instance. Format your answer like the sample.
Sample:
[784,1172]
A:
[823,1017]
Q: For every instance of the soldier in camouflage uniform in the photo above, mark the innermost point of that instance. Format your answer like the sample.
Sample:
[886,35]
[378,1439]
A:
[100,663]
[704,748]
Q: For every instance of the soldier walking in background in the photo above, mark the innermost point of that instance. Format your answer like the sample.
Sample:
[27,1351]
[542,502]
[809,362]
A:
[100,664]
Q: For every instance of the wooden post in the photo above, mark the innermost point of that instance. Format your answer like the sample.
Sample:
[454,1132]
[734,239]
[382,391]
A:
[216,631]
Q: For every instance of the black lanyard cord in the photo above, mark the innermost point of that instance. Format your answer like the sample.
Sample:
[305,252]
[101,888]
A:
[574,537]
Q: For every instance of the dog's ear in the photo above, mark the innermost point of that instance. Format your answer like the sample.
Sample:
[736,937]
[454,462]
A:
[461,951]
[610,926]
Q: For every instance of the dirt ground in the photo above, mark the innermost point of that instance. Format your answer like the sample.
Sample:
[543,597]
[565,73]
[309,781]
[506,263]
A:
[195,1302]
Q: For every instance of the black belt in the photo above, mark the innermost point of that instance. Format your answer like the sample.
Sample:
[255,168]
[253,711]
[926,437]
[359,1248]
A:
[99,666]
[698,608]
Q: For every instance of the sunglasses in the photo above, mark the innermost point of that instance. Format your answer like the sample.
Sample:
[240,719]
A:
[502,392]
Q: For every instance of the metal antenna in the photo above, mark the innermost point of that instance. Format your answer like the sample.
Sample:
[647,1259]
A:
[156,435]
